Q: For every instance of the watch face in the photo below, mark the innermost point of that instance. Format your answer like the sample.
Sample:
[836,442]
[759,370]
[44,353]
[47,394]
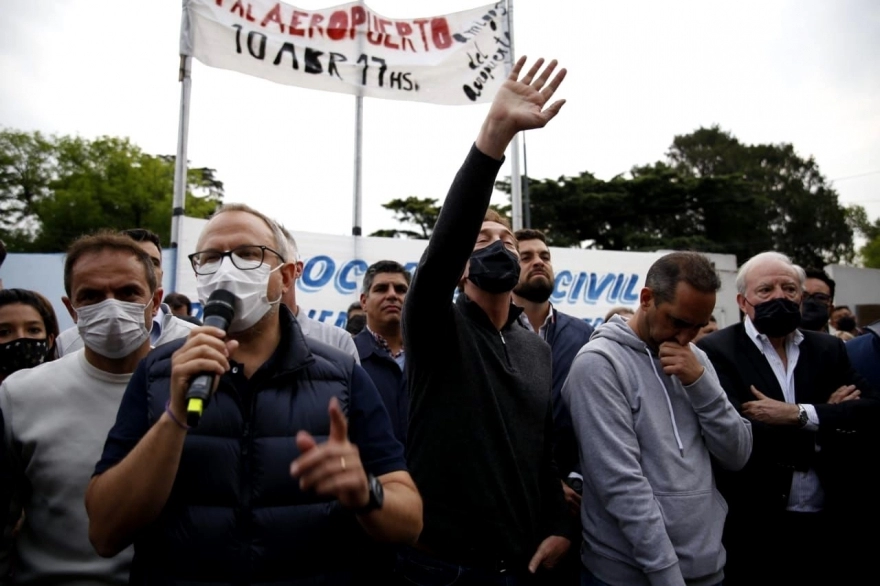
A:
[377,493]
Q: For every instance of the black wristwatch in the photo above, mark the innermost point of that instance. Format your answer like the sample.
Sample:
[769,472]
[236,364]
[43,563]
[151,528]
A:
[803,419]
[377,496]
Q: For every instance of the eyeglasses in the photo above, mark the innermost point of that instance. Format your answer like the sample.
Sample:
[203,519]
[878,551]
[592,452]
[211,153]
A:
[820,297]
[245,258]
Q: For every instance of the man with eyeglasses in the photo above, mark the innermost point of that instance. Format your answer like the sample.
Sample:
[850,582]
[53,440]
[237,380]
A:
[166,326]
[803,509]
[293,464]
[818,301]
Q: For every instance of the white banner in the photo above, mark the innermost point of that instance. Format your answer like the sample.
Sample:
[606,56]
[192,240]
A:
[454,59]
[588,282]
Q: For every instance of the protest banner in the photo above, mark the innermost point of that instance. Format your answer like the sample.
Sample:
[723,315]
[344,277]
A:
[588,282]
[453,59]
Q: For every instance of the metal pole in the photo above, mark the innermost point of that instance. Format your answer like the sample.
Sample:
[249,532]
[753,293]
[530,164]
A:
[180,163]
[358,162]
[513,151]
[527,204]
[357,204]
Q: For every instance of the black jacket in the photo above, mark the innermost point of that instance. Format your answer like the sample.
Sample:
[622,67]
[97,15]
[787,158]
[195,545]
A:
[844,433]
[480,431]
[566,336]
[235,515]
[388,378]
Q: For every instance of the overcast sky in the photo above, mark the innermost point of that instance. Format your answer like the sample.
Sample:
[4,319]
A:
[640,72]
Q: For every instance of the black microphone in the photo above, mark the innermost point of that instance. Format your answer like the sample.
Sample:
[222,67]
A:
[219,311]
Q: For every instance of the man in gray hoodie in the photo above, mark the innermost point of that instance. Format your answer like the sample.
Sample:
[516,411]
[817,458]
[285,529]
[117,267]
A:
[648,412]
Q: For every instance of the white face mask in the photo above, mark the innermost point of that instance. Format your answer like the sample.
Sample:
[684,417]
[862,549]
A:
[113,328]
[249,287]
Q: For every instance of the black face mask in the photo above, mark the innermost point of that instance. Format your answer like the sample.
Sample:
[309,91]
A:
[777,318]
[846,324]
[814,315]
[356,324]
[494,269]
[22,353]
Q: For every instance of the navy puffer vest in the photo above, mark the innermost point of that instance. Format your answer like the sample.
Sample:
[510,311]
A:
[235,515]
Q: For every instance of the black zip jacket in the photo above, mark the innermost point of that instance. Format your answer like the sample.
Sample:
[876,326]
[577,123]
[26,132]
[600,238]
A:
[480,430]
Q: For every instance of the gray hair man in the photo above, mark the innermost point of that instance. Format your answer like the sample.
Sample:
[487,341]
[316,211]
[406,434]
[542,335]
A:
[313,329]
[813,417]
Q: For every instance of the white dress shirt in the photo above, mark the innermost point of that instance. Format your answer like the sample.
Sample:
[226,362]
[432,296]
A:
[806,494]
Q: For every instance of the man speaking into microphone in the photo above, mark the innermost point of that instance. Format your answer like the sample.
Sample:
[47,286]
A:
[293,461]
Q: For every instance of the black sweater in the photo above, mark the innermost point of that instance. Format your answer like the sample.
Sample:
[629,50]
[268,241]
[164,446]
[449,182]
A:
[480,426]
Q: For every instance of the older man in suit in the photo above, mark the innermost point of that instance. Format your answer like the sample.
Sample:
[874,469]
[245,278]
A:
[795,507]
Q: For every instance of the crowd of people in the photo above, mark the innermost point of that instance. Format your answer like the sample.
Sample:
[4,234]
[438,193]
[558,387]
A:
[478,438]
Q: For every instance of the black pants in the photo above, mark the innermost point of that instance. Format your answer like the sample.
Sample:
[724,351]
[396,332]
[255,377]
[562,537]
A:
[782,548]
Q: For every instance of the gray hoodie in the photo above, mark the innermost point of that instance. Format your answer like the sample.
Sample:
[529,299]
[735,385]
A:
[650,513]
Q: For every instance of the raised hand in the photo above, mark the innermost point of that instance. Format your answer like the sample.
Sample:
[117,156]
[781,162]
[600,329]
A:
[333,468]
[520,105]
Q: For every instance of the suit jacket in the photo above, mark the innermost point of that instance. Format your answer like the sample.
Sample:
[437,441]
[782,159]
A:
[845,434]
[389,380]
[566,336]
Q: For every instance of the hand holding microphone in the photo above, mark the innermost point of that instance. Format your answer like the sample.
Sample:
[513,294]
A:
[205,355]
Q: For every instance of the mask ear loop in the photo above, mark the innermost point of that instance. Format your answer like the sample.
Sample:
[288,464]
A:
[277,301]
[152,318]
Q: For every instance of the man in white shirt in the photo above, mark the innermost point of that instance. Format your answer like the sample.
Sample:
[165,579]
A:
[807,484]
[57,415]
[166,326]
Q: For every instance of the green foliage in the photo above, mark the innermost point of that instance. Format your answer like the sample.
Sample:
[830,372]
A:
[870,252]
[713,194]
[420,213]
[53,190]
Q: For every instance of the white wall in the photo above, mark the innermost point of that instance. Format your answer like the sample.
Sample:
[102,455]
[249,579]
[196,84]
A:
[588,282]
[855,286]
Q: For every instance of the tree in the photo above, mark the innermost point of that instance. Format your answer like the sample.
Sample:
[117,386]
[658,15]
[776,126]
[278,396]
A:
[713,194]
[25,174]
[869,253]
[420,213]
[794,210]
[53,190]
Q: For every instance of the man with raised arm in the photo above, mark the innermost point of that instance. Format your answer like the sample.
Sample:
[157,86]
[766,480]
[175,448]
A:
[480,433]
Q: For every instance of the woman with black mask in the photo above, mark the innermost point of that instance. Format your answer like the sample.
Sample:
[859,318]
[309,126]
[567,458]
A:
[28,329]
